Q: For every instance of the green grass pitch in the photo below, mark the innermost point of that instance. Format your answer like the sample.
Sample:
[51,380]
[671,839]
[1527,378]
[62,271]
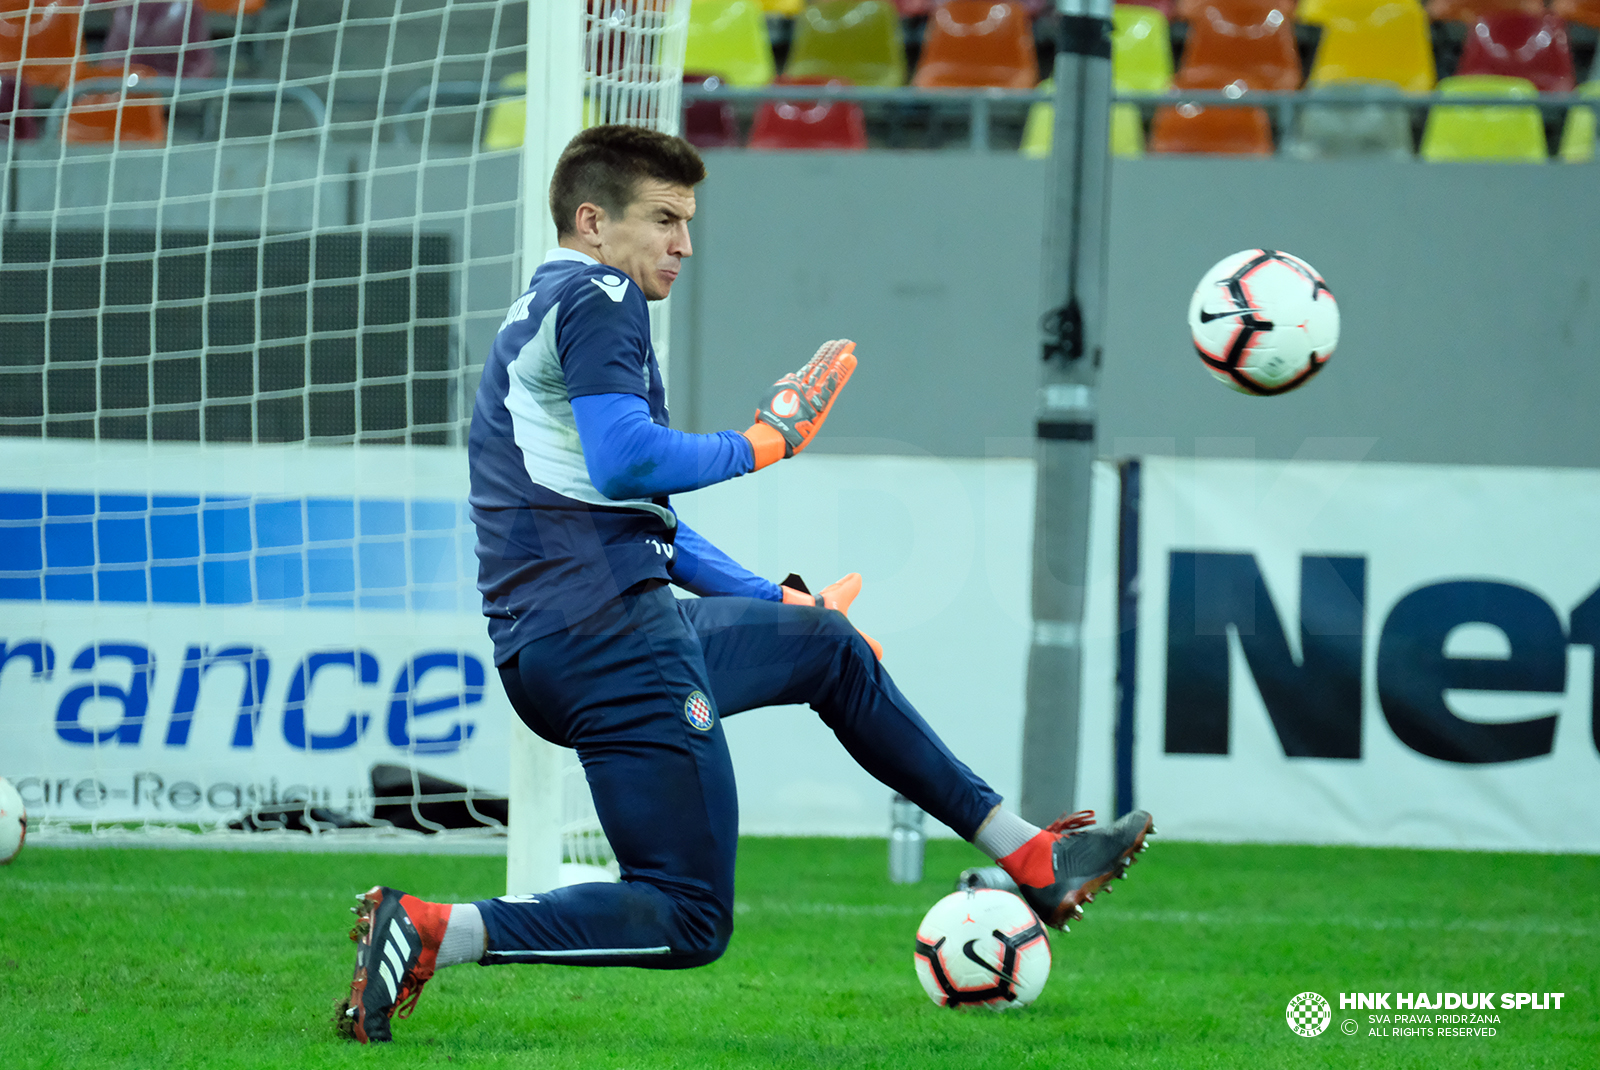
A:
[128,958]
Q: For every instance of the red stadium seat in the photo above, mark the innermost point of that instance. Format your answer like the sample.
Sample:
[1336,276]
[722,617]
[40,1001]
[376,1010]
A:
[1514,45]
[15,96]
[978,43]
[48,32]
[163,35]
[809,124]
[1250,42]
[709,124]
[1470,11]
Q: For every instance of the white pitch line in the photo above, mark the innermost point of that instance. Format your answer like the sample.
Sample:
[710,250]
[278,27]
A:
[1518,926]
[191,891]
[1523,926]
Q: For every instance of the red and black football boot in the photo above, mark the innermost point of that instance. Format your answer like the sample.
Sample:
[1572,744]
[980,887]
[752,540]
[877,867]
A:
[1081,862]
[397,945]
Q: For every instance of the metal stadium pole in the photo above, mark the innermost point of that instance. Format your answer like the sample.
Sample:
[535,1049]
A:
[1074,298]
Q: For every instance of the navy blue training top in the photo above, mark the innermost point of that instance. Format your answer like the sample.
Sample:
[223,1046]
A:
[552,548]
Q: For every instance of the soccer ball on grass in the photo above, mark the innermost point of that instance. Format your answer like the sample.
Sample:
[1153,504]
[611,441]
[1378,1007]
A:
[1263,321]
[13,822]
[982,947]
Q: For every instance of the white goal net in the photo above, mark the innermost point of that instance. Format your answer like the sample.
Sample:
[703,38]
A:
[251,262]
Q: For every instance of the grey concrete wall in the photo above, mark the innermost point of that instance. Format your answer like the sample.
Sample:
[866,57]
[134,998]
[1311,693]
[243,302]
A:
[1468,293]
[1471,317]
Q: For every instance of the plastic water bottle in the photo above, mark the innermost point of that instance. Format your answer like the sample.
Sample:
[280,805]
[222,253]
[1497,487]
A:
[985,877]
[905,841]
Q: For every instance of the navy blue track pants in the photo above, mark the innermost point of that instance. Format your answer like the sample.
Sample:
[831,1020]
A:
[640,691]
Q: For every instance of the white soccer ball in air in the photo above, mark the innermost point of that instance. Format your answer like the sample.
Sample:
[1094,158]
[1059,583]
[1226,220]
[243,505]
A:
[13,822]
[982,947]
[1263,321]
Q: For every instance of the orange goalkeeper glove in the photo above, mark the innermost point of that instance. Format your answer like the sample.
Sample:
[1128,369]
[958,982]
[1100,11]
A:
[794,409]
[837,595]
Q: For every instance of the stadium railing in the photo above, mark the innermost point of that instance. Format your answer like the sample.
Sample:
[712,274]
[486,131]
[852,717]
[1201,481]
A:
[181,91]
[982,104]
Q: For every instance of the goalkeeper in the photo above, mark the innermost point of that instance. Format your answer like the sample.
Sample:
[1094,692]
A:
[572,465]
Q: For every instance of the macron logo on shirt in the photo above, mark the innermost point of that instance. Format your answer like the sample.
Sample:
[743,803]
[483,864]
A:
[519,309]
[614,287]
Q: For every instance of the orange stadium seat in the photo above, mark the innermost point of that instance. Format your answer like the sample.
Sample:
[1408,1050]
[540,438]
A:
[233,7]
[856,41]
[1189,10]
[40,39]
[978,43]
[1225,131]
[813,124]
[1375,41]
[99,117]
[1469,11]
[1514,45]
[1585,12]
[1245,41]
[1248,44]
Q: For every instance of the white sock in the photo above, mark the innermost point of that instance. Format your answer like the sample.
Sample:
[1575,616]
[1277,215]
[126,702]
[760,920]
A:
[463,936]
[1001,833]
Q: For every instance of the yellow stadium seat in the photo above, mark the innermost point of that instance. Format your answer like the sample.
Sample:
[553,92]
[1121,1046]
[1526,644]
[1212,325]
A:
[786,8]
[1141,62]
[1374,41]
[858,41]
[1464,132]
[508,117]
[1127,132]
[1311,12]
[1577,135]
[728,38]
[1038,133]
[1141,49]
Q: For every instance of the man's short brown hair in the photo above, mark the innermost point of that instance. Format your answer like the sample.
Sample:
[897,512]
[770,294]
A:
[605,164]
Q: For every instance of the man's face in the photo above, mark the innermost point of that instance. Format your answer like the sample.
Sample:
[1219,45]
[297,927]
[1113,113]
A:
[651,238]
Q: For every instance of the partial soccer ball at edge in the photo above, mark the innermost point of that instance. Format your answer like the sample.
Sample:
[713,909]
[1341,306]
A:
[13,822]
[982,947]
[1263,321]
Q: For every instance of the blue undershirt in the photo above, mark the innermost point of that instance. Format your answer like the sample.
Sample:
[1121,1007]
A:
[628,455]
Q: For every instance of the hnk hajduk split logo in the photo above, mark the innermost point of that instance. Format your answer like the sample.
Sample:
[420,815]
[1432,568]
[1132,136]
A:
[1309,1014]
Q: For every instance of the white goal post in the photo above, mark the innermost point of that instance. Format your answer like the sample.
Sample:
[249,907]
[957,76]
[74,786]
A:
[618,61]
